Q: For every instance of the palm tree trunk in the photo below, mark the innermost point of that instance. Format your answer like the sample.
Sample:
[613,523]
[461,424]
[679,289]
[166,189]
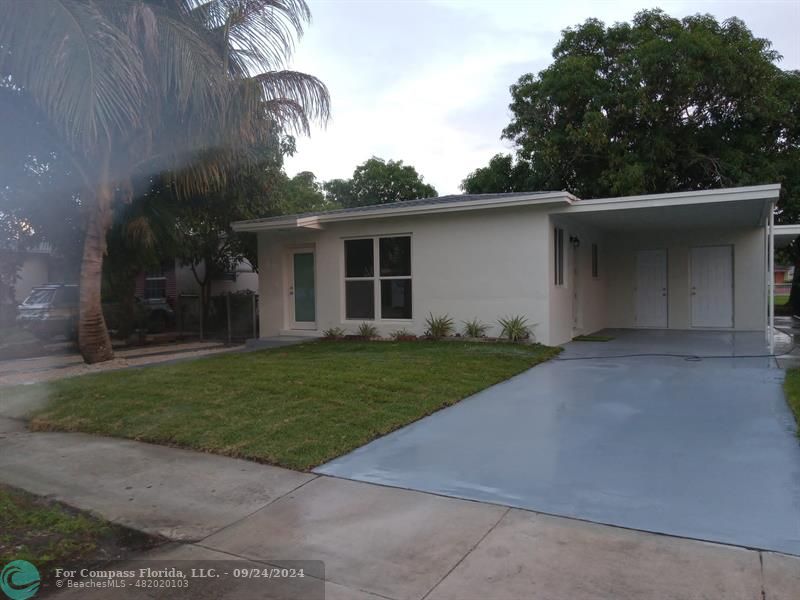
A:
[94,342]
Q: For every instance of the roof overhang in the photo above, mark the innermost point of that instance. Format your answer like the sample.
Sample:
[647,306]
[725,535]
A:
[320,220]
[728,207]
[785,234]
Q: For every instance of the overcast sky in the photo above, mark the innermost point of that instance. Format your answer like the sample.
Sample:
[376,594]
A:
[427,82]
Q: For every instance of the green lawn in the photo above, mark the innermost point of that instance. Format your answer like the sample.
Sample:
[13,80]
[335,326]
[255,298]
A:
[296,407]
[780,300]
[791,386]
[47,533]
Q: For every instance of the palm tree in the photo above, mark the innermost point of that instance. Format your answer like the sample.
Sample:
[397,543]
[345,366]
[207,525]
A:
[139,88]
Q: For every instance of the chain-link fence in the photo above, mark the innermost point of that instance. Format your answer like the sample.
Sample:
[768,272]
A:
[230,317]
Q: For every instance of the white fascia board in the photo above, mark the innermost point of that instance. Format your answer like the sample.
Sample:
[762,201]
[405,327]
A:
[793,229]
[318,221]
[769,192]
[425,209]
[278,224]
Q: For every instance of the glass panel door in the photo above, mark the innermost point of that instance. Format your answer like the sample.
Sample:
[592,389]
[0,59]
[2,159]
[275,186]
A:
[305,314]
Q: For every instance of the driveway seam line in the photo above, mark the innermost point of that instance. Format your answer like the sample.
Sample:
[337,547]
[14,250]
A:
[539,512]
[761,574]
[250,514]
[467,553]
[278,564]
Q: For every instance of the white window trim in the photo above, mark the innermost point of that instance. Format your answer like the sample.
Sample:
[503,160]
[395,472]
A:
[558,257]
[376,278]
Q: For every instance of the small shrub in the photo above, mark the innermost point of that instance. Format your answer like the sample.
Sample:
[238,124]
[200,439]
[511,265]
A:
[402,335]
[334,333]
[474,328]
[515,328]
[367,330]
[439,327]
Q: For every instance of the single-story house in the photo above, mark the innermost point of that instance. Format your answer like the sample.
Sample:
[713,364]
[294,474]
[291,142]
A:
[688,260]
[171,279]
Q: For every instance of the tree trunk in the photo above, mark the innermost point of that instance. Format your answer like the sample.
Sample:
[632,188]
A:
[94,342]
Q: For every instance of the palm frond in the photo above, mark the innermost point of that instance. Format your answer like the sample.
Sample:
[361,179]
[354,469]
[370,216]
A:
[295,98]
[85,73]
[265,29]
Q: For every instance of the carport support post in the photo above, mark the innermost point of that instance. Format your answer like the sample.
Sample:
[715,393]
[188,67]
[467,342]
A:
[771,279]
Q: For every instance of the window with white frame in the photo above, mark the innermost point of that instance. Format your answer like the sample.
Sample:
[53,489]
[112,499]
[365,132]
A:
[155,283]
[377,274]
[558,255]
[595,266]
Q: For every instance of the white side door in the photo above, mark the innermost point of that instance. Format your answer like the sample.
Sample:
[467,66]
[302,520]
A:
[651,288]
[712,286]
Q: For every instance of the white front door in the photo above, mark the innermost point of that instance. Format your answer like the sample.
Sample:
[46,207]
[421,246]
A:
[651,288]
[302,293]
[712,286]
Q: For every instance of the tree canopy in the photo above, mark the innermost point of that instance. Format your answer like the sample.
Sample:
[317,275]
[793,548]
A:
[657,105]
[148,89]
[502,174]
[378,181]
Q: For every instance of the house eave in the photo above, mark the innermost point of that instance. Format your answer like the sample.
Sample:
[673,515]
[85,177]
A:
[319,221]
[769,192]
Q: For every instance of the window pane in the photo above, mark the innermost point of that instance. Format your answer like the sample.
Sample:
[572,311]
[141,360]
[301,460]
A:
[358,258]
[558,254]
[359,299]
[304,300]
[395,256]
[396,299]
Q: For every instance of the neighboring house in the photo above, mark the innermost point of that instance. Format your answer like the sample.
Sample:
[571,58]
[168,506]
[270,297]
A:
[666,261]
[171,279]
[36,266]
[783,279]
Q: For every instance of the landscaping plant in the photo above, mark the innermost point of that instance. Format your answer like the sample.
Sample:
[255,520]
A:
[334,333]
[515,328]
[403,335]
[367,331]
[439,327]
[475,329]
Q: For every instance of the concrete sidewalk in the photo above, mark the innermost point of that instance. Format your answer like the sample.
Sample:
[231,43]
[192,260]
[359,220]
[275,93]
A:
[375,541]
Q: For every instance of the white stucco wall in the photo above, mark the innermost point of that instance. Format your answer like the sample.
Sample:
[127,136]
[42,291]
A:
[481,264]
[591,291]
[749,299]
[35,270]
[246,279]
[493,263]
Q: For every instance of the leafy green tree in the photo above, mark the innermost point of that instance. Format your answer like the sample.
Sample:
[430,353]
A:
[378,182]
[659,105]
[298,194]
[502,174]
[139,88]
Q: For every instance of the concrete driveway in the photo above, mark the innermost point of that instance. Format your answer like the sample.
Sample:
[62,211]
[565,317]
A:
[700,447]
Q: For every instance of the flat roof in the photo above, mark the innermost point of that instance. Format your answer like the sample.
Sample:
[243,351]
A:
[463,202]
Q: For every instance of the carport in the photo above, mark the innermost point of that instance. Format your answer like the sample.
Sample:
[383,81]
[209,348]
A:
[693,261]
[679,432]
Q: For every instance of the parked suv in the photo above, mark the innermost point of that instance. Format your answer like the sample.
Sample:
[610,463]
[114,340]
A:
[51,310]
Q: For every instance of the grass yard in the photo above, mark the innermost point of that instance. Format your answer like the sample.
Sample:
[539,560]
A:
[791,387]
[780,300]
[47,533]
[296,407]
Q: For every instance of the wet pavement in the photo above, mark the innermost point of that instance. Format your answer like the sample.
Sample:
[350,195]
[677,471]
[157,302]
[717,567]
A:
[683,433]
